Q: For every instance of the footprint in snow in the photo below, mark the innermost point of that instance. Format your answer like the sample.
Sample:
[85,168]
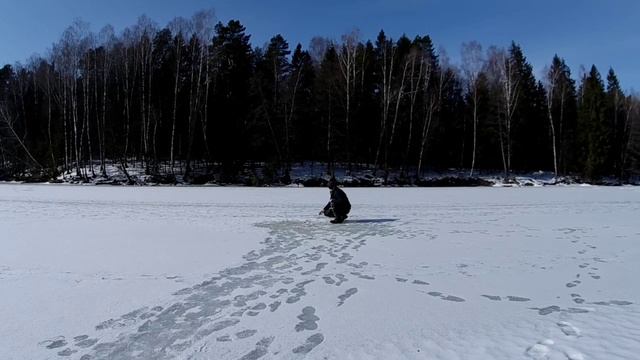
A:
[613,302]
[420,282]
[223,338]
[56,343]
[328,280]
[568,329]
[311,342]
[318,267]
[577,298]
[274,306]
[363,276]
[347,295]
[544,350]
[67,352]
[341,278]
[86,343]
[261,349]
[573,283]
[573,355]
[245,333]
[554,308]
[509,297]
[447,297]
[540,350]
[308,319]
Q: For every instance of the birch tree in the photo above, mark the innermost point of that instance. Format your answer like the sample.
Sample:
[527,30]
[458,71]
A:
[398,91]
[202,27]
[432,96]
[560,101]
[505,76]
[180,27]
[631,141]
[416,73]
[9,122]
[552,78]
[72,49]
[347,57]
[472,64]
[387,57]
[142,43]
[107,38]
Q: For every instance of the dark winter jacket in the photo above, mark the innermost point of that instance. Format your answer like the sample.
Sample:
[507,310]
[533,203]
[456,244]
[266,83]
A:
[339,202]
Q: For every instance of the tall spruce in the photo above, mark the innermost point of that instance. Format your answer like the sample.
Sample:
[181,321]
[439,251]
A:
[561,107]
[593,135]
[300,116]
[233,77]
[615,124]
[272,70]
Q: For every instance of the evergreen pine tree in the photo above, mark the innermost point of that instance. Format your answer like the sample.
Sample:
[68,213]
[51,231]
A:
[563,112]
[234,71]
[593,135]
[532,150]
[301,117]
[615,124]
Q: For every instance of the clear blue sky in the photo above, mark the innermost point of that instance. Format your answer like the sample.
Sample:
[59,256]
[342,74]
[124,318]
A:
[605,33]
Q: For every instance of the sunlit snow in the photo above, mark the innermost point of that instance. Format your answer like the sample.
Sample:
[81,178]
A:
[246,273]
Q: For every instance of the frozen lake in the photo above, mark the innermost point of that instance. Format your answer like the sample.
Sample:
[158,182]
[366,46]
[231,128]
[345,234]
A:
[246,273]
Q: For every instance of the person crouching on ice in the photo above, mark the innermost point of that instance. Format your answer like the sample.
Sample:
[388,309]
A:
[339,205]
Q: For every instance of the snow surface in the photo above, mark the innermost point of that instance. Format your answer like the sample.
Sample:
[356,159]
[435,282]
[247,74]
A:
[249,273]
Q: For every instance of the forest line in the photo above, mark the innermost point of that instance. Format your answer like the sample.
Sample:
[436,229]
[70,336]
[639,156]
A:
[196,91]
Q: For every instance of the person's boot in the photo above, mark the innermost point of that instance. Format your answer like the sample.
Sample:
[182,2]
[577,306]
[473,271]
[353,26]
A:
[339,219]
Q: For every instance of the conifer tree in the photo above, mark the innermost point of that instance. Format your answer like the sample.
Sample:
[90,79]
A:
[592,127]
[235,69]
[299,100]
[615,123]
[561,103]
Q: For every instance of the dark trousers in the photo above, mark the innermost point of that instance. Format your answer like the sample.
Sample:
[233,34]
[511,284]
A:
[329,213]
[335,212]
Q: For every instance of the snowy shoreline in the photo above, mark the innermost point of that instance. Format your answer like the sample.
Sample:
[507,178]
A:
[315,175]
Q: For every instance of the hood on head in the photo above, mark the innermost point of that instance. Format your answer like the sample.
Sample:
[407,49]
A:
[332,183]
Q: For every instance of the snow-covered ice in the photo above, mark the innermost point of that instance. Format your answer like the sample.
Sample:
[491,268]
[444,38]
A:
[249,273]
